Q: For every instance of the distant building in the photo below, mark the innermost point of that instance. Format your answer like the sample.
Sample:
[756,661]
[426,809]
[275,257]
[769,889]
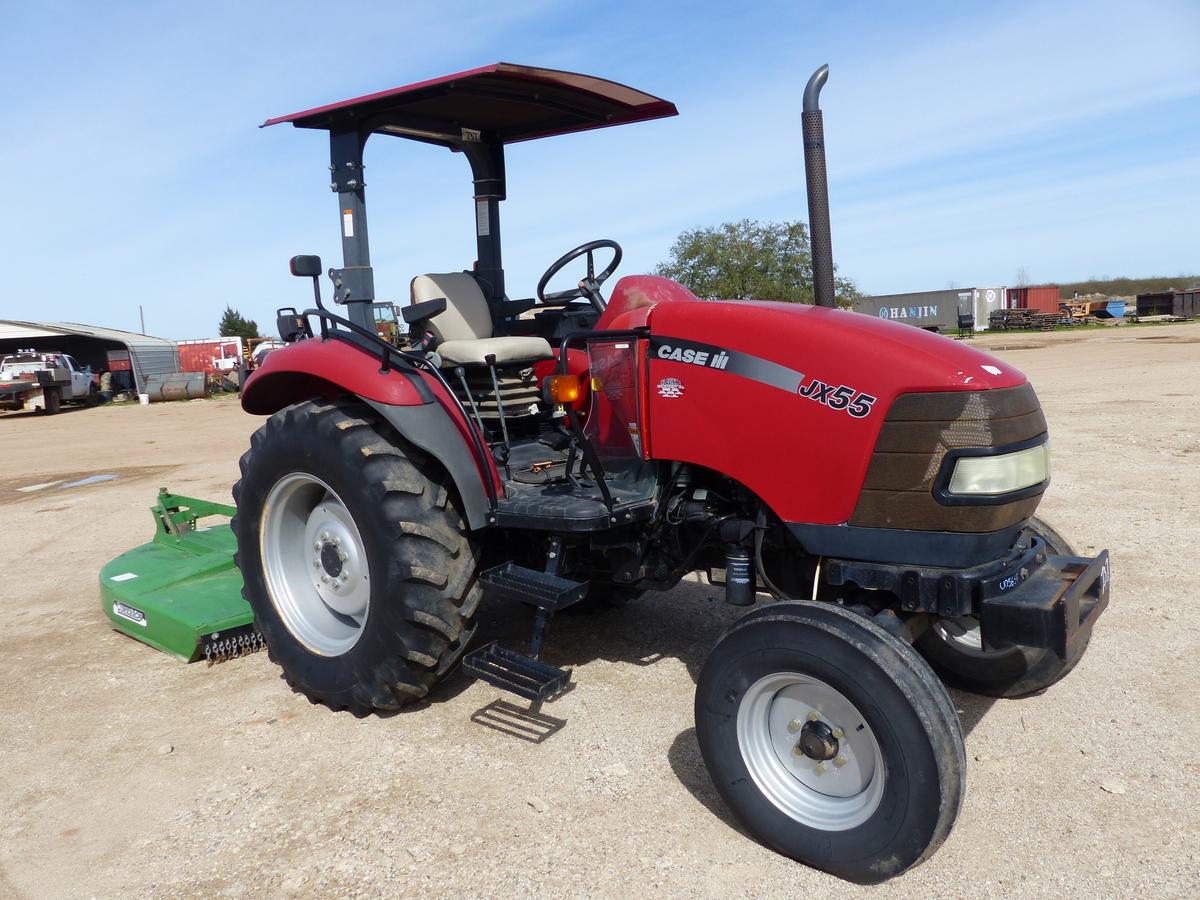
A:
[130,357]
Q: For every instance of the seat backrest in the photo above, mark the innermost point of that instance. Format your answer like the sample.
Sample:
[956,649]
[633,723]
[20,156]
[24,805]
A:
[467,317]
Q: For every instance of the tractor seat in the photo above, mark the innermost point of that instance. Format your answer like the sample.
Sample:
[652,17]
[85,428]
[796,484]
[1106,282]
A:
[464,329]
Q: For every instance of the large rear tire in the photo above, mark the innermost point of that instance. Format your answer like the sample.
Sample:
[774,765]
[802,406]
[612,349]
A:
[955,649]
[831,740]
[356,559]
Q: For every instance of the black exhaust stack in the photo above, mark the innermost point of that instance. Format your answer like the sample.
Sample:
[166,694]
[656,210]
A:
[818,189]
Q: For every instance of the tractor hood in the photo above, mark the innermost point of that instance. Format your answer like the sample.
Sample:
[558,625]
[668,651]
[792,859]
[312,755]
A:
[791,400]
[834,344]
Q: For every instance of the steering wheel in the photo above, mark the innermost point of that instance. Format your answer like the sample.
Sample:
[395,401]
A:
[589,286]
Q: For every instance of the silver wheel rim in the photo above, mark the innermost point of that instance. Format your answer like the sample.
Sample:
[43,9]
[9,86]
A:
[831,795]
[963,634]
[315,564]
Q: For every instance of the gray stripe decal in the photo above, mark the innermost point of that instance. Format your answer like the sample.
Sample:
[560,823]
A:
[710,356]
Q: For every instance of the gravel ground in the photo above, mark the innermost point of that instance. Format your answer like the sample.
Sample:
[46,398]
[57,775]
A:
[129,773]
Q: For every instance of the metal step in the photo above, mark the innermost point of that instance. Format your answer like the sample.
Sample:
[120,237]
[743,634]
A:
[543,590]
[518,674]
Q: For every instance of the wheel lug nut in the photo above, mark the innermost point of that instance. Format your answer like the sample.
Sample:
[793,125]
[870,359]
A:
[342,555]
[797,751]
[325,579]
[794,726]
[316,564]
[838,734]
[814,716]
[819,768]
[317,546]
[840,761]
[345,576]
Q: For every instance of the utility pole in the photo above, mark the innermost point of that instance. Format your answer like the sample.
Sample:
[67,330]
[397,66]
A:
[142,316]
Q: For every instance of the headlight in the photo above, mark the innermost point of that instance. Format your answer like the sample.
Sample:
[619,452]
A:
[1001,474]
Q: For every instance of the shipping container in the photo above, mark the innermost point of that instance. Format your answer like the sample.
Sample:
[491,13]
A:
[985,302]
[930,310]
[118,361]
[1186,304]
[1043,298]
[212,356]
[1159,303]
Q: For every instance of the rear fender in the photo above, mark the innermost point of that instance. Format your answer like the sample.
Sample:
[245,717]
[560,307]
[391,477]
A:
[413,403]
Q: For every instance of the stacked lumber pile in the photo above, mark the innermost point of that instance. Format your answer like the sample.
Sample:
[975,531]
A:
[1023,319]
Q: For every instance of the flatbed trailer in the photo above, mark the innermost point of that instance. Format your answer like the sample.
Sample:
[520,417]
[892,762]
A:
[44,381]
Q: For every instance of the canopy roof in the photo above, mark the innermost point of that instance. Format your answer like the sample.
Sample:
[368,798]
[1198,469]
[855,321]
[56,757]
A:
[501,102]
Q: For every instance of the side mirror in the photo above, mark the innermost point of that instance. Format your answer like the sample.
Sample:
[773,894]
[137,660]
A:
[305,266]
[309,267]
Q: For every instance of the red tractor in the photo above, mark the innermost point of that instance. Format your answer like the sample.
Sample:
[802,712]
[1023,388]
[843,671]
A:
[877,481]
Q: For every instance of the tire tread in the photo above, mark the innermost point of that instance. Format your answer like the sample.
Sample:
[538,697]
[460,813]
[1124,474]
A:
[432,552]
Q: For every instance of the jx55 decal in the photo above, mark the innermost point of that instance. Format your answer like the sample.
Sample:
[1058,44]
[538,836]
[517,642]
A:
[855,402]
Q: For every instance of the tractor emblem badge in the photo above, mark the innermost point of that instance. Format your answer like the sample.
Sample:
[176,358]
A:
[670,388]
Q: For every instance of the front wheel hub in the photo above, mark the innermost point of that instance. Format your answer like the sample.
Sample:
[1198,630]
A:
[817,741]
[826,773]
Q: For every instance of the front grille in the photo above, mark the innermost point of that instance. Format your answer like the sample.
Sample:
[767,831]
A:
[917,433]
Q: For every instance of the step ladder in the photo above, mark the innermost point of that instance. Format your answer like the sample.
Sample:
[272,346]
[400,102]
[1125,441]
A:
[526,676]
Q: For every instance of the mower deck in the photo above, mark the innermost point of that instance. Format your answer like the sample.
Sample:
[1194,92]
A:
[181,593]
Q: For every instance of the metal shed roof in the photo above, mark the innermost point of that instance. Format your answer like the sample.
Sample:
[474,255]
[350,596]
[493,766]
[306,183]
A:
[149,355]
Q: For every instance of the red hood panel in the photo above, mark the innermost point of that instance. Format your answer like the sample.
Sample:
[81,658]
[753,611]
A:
[788,399]
[804,337]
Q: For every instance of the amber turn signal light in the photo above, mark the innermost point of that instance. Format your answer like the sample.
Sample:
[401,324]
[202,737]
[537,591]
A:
[565,389]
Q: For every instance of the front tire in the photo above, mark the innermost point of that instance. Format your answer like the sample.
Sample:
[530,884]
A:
[356,560]
[954,648]
[831,740]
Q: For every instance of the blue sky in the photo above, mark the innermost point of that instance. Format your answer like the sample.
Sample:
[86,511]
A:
[965,141]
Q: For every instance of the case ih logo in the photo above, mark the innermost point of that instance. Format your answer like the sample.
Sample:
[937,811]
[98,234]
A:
[670,388]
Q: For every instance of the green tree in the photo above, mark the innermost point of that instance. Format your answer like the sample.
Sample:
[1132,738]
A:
[233,325]
[749,260]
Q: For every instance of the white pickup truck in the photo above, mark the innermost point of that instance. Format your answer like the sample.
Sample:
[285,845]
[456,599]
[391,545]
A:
[44,381]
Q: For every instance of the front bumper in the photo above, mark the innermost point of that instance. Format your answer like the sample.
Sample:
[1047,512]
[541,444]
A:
[1028,597]
[1054,606]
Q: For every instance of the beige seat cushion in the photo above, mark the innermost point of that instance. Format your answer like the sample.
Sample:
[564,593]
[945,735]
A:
[505,349]
[466,317]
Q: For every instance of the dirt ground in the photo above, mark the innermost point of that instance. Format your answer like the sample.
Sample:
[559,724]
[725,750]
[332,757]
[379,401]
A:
[128,773]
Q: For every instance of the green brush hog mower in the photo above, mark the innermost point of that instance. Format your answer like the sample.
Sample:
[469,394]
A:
[182,593]
[873,488]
